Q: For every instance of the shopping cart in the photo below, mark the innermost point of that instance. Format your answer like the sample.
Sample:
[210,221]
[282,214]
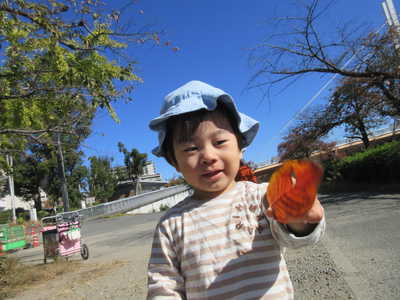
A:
[62,236]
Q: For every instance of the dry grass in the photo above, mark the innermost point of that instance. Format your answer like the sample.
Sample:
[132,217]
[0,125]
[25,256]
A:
[95,271]
[115,216]
[16,277]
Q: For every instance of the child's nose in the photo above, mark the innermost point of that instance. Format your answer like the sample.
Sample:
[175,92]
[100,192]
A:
[208,156]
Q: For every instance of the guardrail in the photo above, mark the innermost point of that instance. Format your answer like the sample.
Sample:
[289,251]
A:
[130,203]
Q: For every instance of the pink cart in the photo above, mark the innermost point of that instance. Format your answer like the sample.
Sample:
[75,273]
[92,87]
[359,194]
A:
[62,236]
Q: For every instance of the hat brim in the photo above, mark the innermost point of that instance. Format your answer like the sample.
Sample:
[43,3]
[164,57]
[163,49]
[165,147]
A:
[208,100]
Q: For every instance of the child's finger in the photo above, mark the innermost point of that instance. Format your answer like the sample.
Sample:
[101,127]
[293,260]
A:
[316,213]
[269,213]
[312,216]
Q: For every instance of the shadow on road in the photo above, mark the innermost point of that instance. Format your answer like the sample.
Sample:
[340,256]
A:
[363,196]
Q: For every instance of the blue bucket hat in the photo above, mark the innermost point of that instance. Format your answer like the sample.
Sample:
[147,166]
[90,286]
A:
[193,96]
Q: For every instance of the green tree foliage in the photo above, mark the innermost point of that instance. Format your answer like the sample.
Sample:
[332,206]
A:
[102,180]
[58,54]
[39,165]
[61,61]
[40,168]
[134,162]
[54,59]
[60,47]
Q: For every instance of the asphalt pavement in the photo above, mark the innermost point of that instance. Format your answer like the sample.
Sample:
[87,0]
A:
[363,239]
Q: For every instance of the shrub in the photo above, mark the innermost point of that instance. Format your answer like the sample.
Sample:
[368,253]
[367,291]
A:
[20,220]
[42,213]
[5,216]
[376,165]
[164,207]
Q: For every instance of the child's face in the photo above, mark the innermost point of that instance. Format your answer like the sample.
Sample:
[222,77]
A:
[210,160]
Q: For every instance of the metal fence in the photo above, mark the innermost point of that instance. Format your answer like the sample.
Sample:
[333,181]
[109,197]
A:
[375,133]
[130,203]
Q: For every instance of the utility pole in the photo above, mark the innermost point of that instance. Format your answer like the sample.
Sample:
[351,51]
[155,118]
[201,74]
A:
[64,189]
[9,160]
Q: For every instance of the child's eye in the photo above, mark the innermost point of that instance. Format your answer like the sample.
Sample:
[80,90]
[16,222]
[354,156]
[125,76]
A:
[220,142]
[190,149]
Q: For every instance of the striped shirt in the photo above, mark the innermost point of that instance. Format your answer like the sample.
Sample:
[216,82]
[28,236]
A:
[223,248]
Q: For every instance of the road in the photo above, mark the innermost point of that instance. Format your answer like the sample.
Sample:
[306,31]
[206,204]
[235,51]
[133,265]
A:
[107,237]
[362,240]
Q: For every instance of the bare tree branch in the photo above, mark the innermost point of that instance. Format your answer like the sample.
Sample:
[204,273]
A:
[305,51]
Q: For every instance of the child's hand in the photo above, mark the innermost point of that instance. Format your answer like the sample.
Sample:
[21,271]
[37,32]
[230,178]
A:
[303,225]
[292,194]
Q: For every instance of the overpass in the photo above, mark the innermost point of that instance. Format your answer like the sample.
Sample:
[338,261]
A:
[143,203]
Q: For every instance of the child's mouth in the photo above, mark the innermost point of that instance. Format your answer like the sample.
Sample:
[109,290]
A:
[211,174]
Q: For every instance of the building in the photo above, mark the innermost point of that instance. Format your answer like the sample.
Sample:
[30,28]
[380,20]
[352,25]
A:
[6,203]
[149,168]
[6,199]
[149,173]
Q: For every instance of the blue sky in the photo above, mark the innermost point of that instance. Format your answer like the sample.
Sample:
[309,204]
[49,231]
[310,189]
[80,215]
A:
[215,38]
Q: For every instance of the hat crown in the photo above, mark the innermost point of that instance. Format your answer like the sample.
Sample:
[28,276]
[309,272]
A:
[193,96]
[192,89]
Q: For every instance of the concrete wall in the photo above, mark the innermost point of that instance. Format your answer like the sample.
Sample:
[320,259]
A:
[166,202]
[167,196]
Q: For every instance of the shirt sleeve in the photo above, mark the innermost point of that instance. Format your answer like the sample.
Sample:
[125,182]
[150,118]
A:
[287,239]
[284,237]
[165,281]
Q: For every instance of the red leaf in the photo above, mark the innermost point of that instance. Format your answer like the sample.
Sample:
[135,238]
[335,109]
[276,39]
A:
[292,189]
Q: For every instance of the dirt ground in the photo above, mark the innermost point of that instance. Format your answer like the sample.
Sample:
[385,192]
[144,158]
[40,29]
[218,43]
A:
[118,278]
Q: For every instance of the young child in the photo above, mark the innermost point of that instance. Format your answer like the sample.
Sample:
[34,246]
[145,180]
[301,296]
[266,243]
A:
[221,242]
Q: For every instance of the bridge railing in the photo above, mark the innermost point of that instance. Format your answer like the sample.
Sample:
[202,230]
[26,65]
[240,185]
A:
[130,203]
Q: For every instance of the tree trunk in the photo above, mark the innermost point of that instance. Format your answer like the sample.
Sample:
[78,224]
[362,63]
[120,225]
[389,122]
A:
[364,136]
[38,201]
[138,187]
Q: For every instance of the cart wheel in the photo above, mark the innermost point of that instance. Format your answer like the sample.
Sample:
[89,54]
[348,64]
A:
[44,260]
[84,251]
